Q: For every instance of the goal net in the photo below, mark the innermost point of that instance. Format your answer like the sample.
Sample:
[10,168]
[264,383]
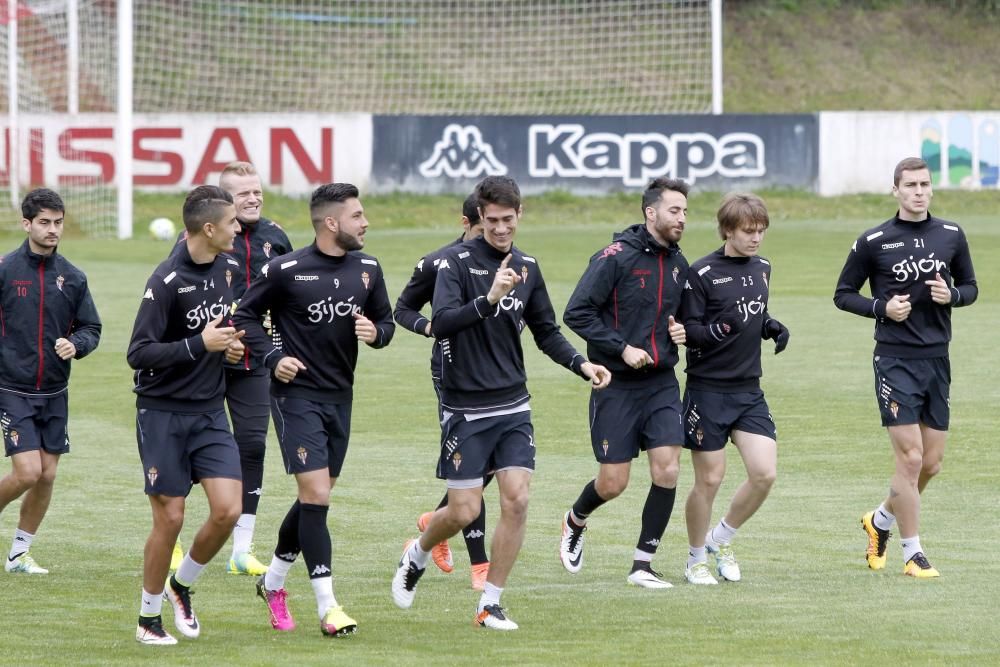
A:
[378,56]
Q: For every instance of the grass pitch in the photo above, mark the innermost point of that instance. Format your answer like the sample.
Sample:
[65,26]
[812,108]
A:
[807,596]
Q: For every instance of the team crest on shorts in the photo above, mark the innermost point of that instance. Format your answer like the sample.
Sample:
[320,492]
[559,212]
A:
[699,435]
[151,475]
[365,278]
[60,281]
[894,409]
[229,278]
[604,446]
[302,454]
[14,437]
[267,249]
[456,460]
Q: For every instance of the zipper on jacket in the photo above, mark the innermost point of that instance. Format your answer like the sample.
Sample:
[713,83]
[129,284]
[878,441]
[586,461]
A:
[659,308]
[41,324]
[246,350]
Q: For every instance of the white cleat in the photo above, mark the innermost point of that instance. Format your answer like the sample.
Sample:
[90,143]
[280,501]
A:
[404,582]
[152,633]
[700,575]
[493,617]
[184,617]
[571,547]
[725,562]
[648,579]
[23,564]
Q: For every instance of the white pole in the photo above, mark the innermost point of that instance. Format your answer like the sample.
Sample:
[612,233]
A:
[124,132]
[12,105]
[716,56]
[73,56]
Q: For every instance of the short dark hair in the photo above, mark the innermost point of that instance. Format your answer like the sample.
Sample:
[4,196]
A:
[656,188]
[470,209]
[499,190]
[742,210]
[907,164]
[330,193]
[36,200]
[204,204]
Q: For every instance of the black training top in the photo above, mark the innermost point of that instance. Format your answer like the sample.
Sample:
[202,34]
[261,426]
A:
[482,366]
[313,298]
[173,370]
[897,257]
[417,294]
[717,284]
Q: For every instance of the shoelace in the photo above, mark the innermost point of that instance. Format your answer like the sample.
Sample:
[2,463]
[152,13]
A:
[155,626]
[184,595]
[921,561]
[574,538]
[496,611]
[413,574]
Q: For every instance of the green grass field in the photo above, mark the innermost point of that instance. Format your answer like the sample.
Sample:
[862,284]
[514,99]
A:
[807,596]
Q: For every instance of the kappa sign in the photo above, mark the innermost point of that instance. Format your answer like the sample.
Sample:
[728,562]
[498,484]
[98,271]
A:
[568,150]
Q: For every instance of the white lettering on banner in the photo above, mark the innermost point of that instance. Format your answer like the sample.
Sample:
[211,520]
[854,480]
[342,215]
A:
[462,153]
[292,152]
[568,151]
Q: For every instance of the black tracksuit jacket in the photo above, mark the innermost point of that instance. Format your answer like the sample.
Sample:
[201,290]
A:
[625,297]
[42,298]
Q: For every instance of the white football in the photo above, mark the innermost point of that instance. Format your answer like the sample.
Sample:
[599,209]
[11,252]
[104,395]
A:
[162,229]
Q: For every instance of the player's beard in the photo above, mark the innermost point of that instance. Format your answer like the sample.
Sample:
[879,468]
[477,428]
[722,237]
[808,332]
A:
[348,242]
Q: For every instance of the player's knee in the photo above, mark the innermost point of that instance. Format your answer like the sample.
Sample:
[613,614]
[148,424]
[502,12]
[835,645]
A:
[930,468]
[252,449]
[709,481]
[610,487]
[27,477]
[910,462]
[666,475]
[226,515]
[763,479]
[515,504]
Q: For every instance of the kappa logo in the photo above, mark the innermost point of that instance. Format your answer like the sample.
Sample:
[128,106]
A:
[318,570]
[149,294]
[462,152]
[569,151]
[475,533]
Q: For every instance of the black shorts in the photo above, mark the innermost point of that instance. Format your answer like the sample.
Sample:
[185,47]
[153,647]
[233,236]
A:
[312,435]
[710,417]
[913,391]
[34,422]
[472,448]
[249,401]
[624,422]
[179,449]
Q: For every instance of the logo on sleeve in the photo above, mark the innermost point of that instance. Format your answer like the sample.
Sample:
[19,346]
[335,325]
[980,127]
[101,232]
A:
[365,279]
[267,249]
[612,249]
[524,274]
[149,294]
[229,278]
